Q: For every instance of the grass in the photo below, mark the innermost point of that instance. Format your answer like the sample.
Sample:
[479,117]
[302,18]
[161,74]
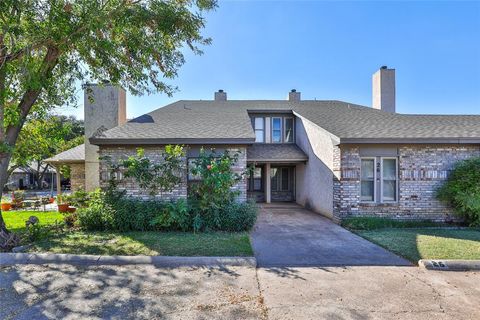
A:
[371,223]
[148,243]
[15,220]
[131,243]
[427,243]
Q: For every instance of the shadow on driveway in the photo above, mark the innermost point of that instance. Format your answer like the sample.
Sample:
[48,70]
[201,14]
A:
[290,236]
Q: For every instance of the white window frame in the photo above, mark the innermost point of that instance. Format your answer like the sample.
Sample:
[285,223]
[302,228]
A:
[255,129]
[374,179]
[281,130]
[285,130]
[396,180]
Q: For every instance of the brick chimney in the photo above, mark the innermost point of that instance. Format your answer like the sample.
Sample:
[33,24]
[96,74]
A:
[105,107]
[383,89]
[293,95]
[220,95]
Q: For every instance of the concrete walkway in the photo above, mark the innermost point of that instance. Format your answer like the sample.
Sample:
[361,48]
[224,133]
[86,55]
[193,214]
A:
[290,236]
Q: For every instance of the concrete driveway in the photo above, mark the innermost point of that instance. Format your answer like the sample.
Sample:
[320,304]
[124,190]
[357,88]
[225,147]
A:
[290,236]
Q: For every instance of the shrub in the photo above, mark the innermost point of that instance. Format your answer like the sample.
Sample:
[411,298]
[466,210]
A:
[98,214]
[462,190]
[175,215]
[214,190]
[78,198]
[238,216]
[372,223]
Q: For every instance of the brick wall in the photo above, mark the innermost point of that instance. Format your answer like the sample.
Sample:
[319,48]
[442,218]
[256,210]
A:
[116,153]
[422,169]
[77,176]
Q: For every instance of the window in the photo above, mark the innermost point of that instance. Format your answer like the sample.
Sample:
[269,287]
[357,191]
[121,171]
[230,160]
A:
[191,164]
[276,129]
[367,179]
[259,126]
[274,173]
[389,179]
[285,179]
[379,179]
[288,129]
[255,180]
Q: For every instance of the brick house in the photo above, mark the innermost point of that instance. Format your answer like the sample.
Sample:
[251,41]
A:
[335,158]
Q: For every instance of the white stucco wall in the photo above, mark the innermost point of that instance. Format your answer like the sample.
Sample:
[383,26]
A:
[314,180]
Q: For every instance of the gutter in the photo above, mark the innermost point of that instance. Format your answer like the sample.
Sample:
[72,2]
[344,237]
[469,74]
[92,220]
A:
[410,140]
[157,141]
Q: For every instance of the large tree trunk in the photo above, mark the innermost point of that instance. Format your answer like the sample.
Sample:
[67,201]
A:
[9,135]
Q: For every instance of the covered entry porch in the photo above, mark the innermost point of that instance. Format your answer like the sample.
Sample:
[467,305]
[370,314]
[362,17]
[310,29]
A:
[273,174]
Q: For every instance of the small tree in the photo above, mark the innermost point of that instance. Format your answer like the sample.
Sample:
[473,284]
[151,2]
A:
[157,177]
[462,190]
[214,190]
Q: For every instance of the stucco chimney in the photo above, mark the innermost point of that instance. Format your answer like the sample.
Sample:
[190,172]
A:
[105,107]
[383,89]
[293,95]
[220,95]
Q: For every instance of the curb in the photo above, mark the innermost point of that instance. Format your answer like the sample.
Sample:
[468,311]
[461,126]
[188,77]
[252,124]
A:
[450,265]
[11,259]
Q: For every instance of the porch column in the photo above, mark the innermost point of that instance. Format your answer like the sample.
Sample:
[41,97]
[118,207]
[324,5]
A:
[58,179]
[268,182]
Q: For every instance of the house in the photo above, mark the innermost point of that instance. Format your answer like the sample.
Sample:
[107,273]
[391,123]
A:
[335,158]
[24,177]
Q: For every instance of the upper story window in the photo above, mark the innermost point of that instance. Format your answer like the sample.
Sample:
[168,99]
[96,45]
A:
[288,130]
[276,129]
[259,127]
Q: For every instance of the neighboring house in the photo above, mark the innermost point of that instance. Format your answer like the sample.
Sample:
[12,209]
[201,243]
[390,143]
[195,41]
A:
[336,158]
[23,178]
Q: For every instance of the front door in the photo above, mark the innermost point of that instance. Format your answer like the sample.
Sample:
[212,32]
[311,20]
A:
[283,183]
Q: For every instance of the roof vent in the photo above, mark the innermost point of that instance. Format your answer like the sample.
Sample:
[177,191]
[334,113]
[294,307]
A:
[220,95]
[293,95]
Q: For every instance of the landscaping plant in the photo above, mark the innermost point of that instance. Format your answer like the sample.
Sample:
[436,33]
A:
[462,190]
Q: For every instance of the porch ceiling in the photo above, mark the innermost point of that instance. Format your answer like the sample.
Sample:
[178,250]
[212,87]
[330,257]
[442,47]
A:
[276,153]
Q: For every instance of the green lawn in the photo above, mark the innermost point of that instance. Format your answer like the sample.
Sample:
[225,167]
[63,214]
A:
[427,243]
[148,243]
[132,243]
[15,220]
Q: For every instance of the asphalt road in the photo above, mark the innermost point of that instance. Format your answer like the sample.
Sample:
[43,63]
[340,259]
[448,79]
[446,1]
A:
[148,292]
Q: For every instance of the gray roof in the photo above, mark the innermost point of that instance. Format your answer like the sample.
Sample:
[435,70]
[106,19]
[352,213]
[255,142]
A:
[271,152]
[197,121]
[76,154]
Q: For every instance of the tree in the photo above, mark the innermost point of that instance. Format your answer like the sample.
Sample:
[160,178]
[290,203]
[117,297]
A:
[47,46]
[43,137]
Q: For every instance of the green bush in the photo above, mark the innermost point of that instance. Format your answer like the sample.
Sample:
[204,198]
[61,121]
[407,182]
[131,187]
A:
[238,216]
[114,212]
[98,213]
[372,223]
[462,190]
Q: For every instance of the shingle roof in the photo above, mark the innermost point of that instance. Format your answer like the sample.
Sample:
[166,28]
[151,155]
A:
[76,154]
[197,121]
[272,152]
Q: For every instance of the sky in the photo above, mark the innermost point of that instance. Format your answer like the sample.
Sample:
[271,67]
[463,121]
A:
[329,51]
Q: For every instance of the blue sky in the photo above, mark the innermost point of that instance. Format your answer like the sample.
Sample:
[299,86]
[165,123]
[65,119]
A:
[329,50]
